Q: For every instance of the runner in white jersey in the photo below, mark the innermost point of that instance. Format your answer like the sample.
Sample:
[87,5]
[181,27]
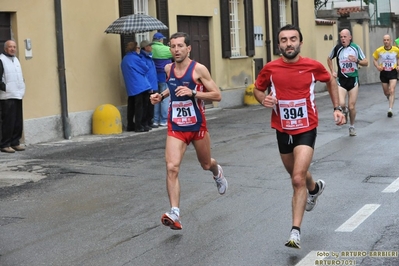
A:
[349,56]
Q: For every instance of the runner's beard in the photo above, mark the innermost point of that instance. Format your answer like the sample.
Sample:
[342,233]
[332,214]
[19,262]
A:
[291,55]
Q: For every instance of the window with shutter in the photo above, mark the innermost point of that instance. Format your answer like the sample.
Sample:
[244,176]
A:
[234,28]
[294,12]
[128,7]
[125,8]
[230,27]
[225,28]
[163,15]
[283,11]
[275,24]
[141,7]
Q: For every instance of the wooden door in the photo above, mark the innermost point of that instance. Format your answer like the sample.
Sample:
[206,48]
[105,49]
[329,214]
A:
[5,29]
[197,28]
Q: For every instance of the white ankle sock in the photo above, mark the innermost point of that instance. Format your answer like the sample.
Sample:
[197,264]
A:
[175,210]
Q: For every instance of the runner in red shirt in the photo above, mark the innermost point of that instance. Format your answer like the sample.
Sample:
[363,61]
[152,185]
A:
[292,79]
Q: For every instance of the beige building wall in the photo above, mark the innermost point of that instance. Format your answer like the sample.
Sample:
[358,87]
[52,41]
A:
[322,48]
[231,75]
[314,46]
[361,36]
[92,58]
[87,49]
[260,20]
[92,61]
[307,25]
[40,71]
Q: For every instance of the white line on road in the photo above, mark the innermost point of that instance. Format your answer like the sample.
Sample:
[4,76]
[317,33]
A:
[358,218]
[393,187]
[310,259]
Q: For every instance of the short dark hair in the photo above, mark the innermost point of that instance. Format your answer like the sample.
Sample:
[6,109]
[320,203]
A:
[289,27]
[181,34]
[131,46]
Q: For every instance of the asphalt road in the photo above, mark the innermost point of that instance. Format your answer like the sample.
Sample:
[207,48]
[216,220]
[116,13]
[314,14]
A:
[98,200]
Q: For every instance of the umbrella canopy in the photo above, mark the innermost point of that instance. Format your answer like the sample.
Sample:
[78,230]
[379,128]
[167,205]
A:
[135,23]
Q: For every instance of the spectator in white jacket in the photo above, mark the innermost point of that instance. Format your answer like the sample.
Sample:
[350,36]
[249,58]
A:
[12,90]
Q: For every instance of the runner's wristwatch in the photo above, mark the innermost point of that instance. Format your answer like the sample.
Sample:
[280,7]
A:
[339,108]
[194,93]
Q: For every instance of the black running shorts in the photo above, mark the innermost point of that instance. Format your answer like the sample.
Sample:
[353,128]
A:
[386,76]
[347,83]
[287,143]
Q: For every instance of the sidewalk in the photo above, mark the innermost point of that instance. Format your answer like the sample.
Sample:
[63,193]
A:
[16,171]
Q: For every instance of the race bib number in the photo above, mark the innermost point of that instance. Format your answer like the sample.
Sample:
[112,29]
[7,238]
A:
[388,65]
[293,114]
[183,113]
[347,66]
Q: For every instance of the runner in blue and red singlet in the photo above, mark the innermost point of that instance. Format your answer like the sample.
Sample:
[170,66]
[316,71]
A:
[189,85]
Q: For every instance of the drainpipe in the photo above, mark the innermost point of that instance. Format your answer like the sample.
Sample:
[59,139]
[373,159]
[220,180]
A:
[267,37]
[61,70]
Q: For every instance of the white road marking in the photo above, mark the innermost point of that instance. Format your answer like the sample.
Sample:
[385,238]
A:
[311,258]
[393,187]
[358,218]
[350,225]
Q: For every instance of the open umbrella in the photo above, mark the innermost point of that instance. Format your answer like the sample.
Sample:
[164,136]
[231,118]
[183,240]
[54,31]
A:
[135,23]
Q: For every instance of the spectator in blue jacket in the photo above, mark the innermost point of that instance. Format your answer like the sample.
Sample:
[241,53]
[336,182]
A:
[151,75]
[162,56]
[134,71]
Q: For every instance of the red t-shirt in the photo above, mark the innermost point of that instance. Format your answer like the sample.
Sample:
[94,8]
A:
[293,85]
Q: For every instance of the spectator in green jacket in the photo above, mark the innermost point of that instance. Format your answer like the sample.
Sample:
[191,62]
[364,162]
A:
[162,56]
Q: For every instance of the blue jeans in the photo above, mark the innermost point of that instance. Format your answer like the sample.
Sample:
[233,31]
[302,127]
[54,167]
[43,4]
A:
[161,109]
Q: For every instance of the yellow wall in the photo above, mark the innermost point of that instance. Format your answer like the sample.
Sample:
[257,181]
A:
[91,57]
[307,25]
[314,45]
[361,36]
[39,71]
[207,8]
[322,48]
[228,73]
[260,20]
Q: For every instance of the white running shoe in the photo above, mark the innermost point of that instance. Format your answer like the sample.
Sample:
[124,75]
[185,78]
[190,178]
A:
[352,131]
[312,199]
[221,181]
[295,239]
